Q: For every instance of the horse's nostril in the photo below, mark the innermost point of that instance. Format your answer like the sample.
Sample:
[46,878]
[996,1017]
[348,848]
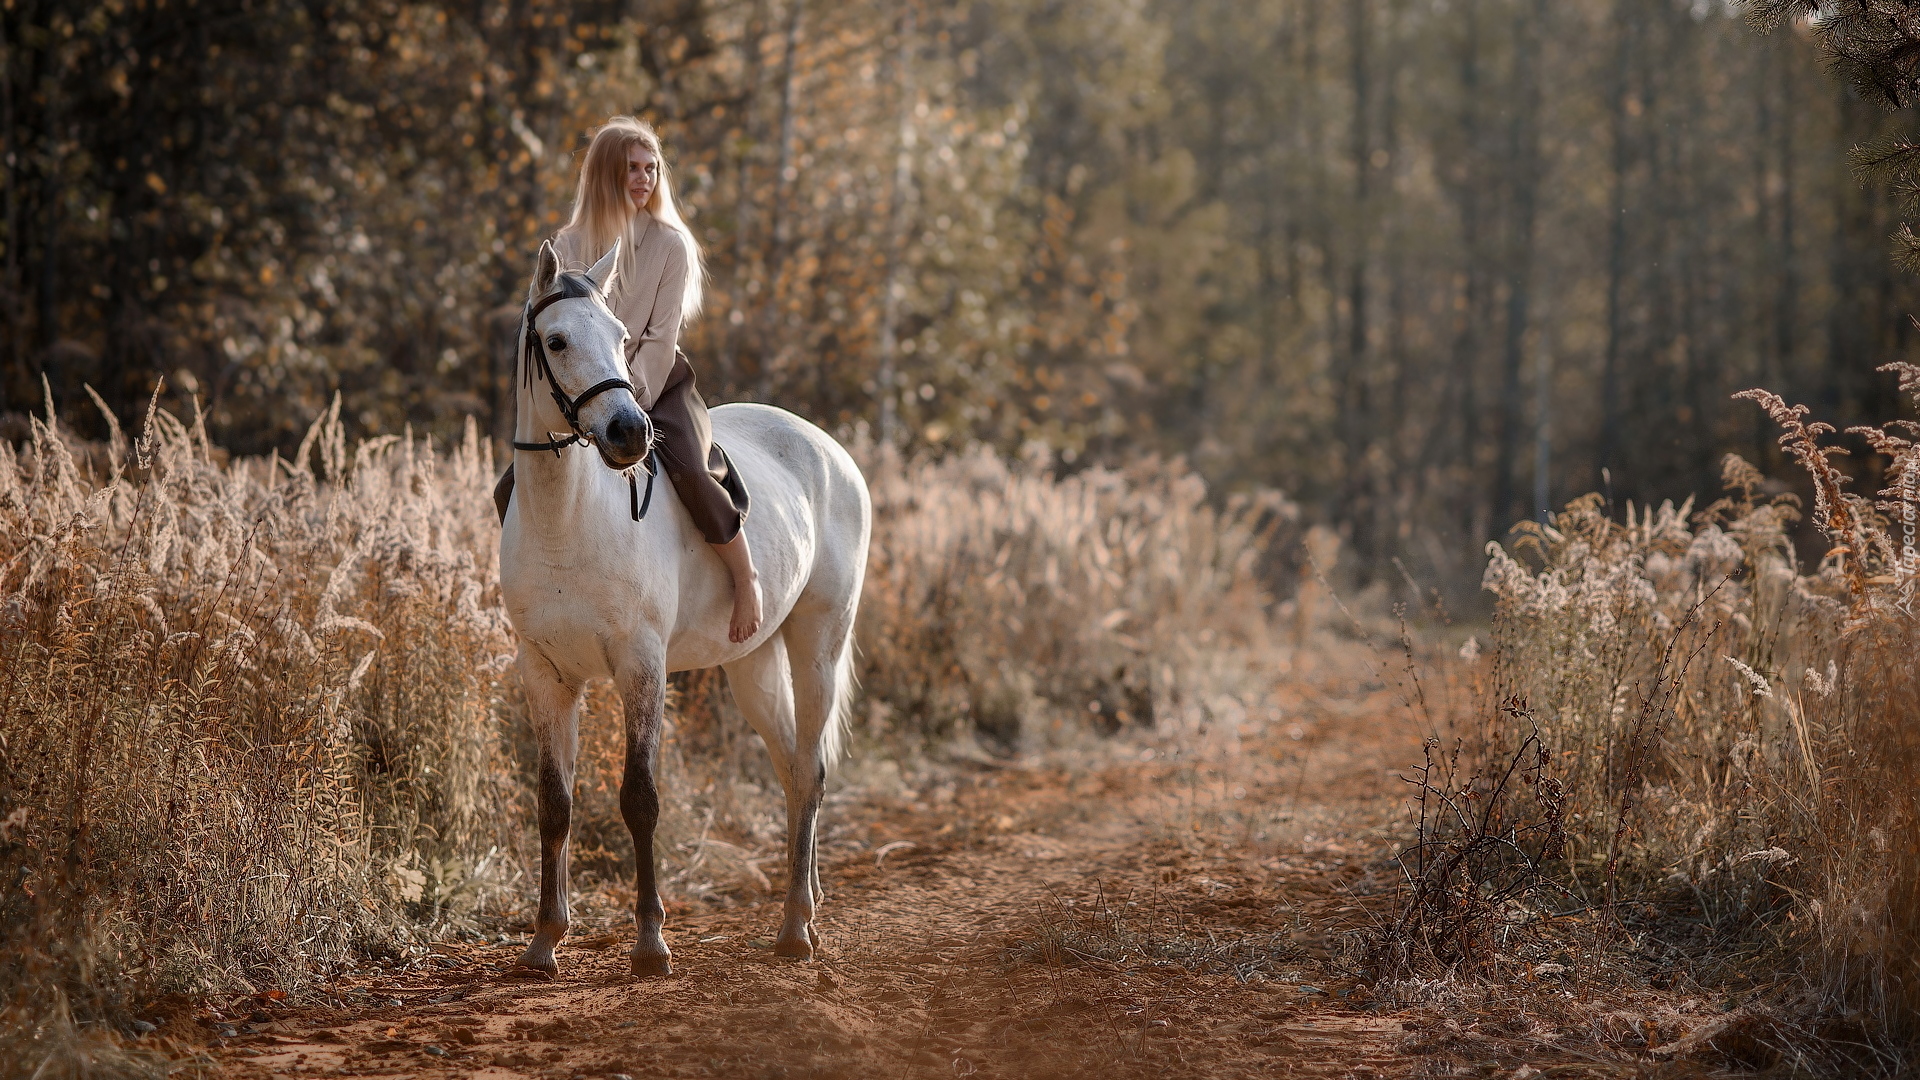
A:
[627,432]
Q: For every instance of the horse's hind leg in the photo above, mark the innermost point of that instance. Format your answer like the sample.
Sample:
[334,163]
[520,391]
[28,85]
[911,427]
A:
[763,686]
[554,708]
[643,691]
[820,650]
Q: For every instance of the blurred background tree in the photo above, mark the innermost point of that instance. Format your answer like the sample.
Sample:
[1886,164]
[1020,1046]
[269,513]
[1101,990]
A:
[1429,266]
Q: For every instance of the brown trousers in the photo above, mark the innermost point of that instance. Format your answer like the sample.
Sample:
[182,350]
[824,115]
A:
[700,472]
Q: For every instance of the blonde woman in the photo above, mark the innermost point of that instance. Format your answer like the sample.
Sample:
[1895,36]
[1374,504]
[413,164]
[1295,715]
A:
[625,193]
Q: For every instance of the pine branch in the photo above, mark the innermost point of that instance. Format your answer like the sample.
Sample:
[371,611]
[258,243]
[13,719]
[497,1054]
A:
[1885,160]
[1873,44]
[1906,249]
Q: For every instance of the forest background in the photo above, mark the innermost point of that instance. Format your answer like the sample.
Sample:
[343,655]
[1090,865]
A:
[1430,266]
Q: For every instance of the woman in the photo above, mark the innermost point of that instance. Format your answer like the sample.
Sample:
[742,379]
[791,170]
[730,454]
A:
[625,193]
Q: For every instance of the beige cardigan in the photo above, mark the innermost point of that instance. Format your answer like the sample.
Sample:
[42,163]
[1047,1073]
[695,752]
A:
[648,292]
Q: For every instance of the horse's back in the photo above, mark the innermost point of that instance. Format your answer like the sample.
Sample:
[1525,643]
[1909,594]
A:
[801,475]
[779,445]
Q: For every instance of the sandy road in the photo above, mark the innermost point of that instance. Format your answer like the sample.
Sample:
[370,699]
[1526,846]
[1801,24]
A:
[1175,916]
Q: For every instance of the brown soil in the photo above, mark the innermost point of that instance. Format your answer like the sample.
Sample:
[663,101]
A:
[1181,915]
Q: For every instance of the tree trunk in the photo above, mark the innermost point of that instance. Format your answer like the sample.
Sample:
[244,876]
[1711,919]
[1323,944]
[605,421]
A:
[48,285]
[1616,247]
[773,318]
[1524,153]
[1462,393]
[887,376]
[1543,422]
[1780,352]
[789,84]
[10,139]
[743,201]
[1356,427]
[1396,492]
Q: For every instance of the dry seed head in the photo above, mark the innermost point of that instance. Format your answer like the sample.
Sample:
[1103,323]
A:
[1758,682]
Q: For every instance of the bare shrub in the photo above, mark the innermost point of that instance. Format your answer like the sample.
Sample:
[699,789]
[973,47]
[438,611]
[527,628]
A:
[1475,868]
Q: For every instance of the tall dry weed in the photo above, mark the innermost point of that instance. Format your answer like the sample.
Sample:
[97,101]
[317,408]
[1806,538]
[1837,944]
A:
[1635,644]
[1003,598]
[245,718]
[1734,731]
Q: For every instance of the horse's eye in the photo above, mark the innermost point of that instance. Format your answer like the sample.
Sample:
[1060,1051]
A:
[557,343]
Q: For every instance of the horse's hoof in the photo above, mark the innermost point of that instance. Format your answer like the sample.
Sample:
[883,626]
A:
[651,966]
[535,963]
[794,948]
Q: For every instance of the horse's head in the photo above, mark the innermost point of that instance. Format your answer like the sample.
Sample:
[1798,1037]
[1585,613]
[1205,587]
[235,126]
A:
[578,347]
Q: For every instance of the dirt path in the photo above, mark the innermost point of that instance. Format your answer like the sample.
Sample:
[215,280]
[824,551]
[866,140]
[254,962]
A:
[1164,911]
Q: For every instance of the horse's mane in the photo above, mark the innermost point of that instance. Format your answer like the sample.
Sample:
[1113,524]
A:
[573,286]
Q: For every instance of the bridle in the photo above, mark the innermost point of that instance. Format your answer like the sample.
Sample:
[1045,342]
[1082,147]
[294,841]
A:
[534,363]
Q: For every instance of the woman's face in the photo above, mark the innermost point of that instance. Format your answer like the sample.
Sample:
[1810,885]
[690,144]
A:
[643,174]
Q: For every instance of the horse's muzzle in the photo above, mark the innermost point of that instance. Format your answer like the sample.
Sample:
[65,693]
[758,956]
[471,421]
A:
[626,439]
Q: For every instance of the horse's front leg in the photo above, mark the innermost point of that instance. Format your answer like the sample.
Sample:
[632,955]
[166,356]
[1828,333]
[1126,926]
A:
[554,708]
[643,691]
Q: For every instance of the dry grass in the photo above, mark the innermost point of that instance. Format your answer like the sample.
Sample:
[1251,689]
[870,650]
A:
[254,727]
[254,724]
[1730,751]
[216,775]
[1635,648]
[1021,603]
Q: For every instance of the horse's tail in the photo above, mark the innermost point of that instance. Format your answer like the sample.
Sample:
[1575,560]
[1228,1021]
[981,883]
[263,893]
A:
[833,738]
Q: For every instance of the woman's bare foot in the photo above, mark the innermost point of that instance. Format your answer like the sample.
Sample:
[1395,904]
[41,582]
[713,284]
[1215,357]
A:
[746,609]
[746,588]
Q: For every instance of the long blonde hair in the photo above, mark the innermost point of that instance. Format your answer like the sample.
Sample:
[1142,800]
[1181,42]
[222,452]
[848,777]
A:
[602,211]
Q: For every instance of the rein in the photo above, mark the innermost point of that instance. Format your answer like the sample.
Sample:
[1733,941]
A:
[534,362]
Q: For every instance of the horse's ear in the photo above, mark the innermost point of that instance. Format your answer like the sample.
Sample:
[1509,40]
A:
[545,269]
[603,272]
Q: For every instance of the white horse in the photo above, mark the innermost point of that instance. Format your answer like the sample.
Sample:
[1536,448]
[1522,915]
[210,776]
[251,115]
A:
[595,593]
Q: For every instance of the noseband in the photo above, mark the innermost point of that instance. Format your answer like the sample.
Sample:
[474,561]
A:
[534,362]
